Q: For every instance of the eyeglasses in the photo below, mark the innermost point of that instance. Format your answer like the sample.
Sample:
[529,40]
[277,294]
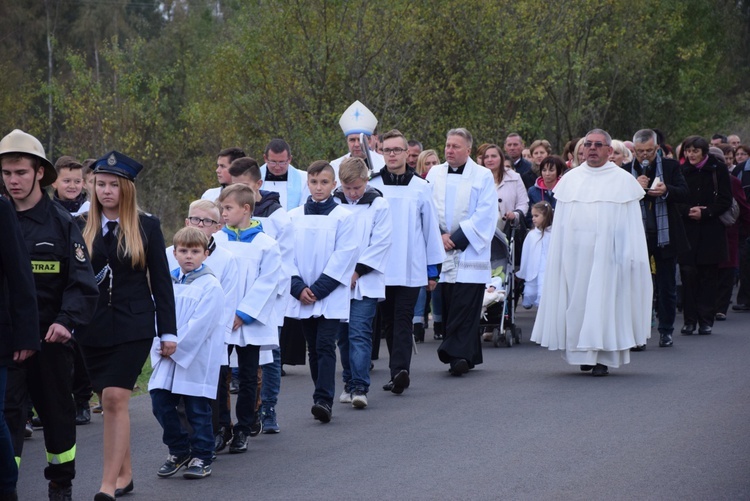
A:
[595,144]
[197,221]
[393,151]
[277,164]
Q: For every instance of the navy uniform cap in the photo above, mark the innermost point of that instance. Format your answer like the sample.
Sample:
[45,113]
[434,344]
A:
[118,164]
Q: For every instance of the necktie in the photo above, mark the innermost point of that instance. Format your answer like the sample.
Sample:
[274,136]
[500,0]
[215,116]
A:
[110,237]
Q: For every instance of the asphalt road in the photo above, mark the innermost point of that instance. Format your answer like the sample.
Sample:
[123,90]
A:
[673,424]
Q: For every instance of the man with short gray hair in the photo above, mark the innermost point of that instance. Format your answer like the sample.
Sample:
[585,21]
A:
[596,298]
[662,180]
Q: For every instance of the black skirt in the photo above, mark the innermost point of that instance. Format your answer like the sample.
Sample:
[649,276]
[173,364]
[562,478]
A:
[118,365]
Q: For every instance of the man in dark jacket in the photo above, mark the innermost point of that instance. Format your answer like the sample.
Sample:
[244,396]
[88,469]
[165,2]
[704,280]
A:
[66,294]
[665,186]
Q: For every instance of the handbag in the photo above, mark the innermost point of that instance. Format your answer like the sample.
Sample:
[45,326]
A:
[729,216]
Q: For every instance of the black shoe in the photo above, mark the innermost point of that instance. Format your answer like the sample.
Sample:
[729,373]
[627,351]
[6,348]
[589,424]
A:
[239,443]
[388,386]
[586,368]
[419,333]
[257,426]
[283,372]
[665,340]
[124,490]
[705,330]
[640,347]
[83,414]
[688,329]
[59,493]
[36,423]
[172,465]
[600,370]
[741,307]
[234,386]
[721,317]
[400,382]
[28,431]
[459,367]
[103,496]
[222,438]
[321,411]
[438,330]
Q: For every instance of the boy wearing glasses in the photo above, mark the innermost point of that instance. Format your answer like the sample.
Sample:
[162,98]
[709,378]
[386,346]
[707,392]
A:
[204,215]
[415,257]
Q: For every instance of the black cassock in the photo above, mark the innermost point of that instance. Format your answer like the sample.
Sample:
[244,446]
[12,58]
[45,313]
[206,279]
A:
[462,307]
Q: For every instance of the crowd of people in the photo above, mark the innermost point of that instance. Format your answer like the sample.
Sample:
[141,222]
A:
[280,265]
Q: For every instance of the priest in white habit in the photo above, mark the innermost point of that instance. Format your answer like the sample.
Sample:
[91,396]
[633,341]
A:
[596,300]
[466,203]
[356,120]
[280,176]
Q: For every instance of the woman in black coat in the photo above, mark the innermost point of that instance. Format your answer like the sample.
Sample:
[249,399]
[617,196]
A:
[129,259]
[710,196]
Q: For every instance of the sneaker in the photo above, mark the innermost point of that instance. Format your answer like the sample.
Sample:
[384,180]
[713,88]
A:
[270,425]
[172,465]
[222,439]
[345,397]
[359,399]
[36,423]
[97,409]
[322,412]
[28,431]
[83,414]
[197,469]
[239,443]
[59,493]
[234,386]
[257,425]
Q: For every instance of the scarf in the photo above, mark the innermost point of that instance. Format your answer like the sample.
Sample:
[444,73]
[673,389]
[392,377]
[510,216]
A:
[660,208]
[294,183]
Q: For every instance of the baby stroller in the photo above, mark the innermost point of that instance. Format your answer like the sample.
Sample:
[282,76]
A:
[498,310]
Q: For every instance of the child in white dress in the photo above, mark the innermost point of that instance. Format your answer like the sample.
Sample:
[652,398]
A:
[534,253]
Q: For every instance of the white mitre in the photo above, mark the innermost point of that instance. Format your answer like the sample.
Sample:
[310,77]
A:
[357,119]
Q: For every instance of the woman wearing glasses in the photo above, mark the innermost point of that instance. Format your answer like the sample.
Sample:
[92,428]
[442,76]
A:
[127,254]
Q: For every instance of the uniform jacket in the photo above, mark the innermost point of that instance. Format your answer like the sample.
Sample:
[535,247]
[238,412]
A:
[677,193]
[65,286]
[707,237]
[18,309]
[129,315]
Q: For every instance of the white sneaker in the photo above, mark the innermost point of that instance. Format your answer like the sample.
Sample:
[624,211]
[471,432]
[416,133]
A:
[346,397]
[359,400]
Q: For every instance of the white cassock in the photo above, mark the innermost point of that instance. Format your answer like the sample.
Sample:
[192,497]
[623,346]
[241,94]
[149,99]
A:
[534,264]
[259,271]
[377,160]
[324,244]
[293,192]
[596,300]
[224,266]
[193,369]
[211,194]
[467,201]
[415,235]
[373,220]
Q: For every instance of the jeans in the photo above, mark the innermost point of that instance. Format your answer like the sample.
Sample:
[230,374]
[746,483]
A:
[198,411]
[437,304]
[8,468]
[271,384]
[421,306]
[320,334]
[355,344]
[247,359]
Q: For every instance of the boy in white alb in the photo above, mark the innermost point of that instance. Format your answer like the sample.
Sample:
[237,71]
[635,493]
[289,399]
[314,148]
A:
[205,216]
[416,253]
[368,281]
[191,373]
[326,247]
[255,325]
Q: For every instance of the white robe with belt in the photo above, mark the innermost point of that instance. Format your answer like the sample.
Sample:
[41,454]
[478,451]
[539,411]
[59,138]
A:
[596,300]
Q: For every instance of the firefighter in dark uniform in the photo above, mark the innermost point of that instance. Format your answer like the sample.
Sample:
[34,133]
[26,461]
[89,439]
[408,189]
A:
[66,298]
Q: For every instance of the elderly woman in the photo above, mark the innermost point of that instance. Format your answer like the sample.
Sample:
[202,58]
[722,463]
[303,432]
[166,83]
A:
[512,199]
[620,153]
[710,196]
[540,149]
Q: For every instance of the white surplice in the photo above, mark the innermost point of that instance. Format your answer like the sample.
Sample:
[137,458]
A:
[596,300]
[415,234]
[193,369]
[378,162]
[324,244]
[211,194]
[467,201]
[534,264]
[293,192]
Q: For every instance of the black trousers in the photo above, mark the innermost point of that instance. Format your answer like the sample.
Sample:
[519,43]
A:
[462,307]
[743,293]
[397,312]
[245,408]
[700,286]
[47,376]
[726,286]
[221,408]
[82,390]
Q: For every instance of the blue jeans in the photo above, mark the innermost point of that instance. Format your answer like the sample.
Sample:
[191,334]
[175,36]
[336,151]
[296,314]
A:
[8,468]
[437,304]
[198,411]
[355,344]
[271,384]
[420,306]
[320,334]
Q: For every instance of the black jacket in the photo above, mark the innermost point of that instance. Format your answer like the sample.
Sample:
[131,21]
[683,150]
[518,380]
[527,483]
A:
[707,237]
[677,193]
[129,316]
[65,286]
[19,316]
